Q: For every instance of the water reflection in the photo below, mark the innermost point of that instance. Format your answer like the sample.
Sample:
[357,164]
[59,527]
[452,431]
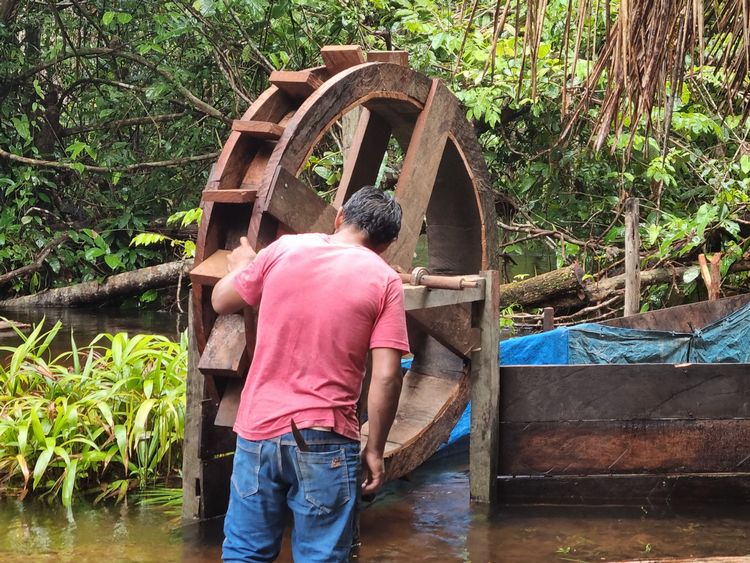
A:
[427,518]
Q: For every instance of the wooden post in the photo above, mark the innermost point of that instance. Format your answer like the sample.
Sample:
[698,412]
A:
[711,275]
[485,395]
[191,462]
[548,318]
[632,258]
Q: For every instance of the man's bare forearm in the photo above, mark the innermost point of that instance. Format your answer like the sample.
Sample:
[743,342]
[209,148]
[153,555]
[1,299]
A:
[382,402]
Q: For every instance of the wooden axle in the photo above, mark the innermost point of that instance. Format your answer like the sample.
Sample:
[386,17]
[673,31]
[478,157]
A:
[421,276]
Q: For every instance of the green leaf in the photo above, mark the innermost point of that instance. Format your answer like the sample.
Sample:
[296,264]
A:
[92,254]
[149,296]
[113,261]
[108,17]
[69,482]
[123,18]
[22,127]
[745,164]
[41,465]
[691,274]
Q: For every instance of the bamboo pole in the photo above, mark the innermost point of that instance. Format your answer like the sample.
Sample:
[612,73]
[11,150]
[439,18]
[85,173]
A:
[632,258]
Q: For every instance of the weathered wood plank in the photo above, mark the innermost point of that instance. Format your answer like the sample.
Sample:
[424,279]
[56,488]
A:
[212,269]
[296,84]
[225,354]
[420,297]
[419,170]
[244,195]
[394,57]
[297,206]
[230,403]
[627,490]
[340,57]
[365,156]
[485,397]
[451,326]
[191,465]
[599,448]
[683,318]
[264,130]
[625,392]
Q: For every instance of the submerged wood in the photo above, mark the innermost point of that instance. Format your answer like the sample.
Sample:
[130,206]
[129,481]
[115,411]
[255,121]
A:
[119,285]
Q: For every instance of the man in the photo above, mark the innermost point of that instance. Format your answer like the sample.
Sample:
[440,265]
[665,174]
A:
[324,302]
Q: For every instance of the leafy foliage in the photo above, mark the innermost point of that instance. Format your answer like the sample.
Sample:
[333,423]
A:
[109,416]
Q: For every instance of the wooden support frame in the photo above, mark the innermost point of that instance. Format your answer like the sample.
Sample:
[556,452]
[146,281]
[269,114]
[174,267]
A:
[485,396]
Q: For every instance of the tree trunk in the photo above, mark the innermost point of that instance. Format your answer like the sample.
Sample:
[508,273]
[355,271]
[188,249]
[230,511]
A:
[119,285]
[543,288]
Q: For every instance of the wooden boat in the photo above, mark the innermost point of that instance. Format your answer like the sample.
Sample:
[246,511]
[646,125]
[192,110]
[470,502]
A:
[628,433]
[255,190]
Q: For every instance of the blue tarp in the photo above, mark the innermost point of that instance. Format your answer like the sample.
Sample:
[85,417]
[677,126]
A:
[725,341]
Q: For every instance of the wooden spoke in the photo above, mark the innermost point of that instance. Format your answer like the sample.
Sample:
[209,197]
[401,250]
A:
[298,207]
[420,169]
[362,165]
[394,57]
[341,57]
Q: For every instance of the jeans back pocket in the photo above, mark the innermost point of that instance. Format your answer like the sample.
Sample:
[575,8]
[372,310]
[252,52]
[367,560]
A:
[327,478]
[246,467]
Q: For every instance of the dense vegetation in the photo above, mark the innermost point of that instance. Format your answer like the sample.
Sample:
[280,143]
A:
[101,419]
[111,113]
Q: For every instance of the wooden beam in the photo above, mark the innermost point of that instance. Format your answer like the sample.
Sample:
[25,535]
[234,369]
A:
[264,130]
[420,297]
[627,490]
[191,464]
[624,392]
[617,447]
[419,170]
[298,207]
[245,195]
[365,156]
[212,269]
[340,57]
[230,404]
[296,84]
[226,354]
[394,57]
[485,396]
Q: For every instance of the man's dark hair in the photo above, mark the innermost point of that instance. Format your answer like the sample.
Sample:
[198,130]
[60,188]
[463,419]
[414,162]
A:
[375,212]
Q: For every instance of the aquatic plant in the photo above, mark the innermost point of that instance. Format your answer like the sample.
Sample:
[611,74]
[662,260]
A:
[108,417]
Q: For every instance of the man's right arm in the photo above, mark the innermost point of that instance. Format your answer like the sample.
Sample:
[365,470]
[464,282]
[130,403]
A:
[225,298]
[382,402]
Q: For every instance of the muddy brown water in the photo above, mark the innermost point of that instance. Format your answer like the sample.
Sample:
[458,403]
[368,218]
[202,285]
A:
[426,518]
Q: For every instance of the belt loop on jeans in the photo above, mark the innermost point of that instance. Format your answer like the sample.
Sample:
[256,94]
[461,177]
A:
[301,444]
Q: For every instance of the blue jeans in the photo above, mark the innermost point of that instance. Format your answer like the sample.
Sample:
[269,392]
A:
[319,487]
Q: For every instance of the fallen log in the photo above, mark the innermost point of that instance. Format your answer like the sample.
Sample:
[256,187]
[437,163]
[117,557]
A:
[543,288]
[119,285]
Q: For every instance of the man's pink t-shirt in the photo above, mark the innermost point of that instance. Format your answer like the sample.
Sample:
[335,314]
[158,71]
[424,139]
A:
[322,306]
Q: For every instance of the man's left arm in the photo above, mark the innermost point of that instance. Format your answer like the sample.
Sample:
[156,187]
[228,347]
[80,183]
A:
[225,298]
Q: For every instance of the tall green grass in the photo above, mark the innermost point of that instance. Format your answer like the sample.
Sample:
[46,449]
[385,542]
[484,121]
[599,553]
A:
[105,418]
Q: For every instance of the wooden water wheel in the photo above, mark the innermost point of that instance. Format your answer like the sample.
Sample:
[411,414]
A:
[255,190]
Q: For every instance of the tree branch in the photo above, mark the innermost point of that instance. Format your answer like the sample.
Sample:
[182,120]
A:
[124,123]
[36,264]
[107,169]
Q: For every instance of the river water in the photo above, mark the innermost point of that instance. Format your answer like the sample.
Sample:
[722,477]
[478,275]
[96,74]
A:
[426,518]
